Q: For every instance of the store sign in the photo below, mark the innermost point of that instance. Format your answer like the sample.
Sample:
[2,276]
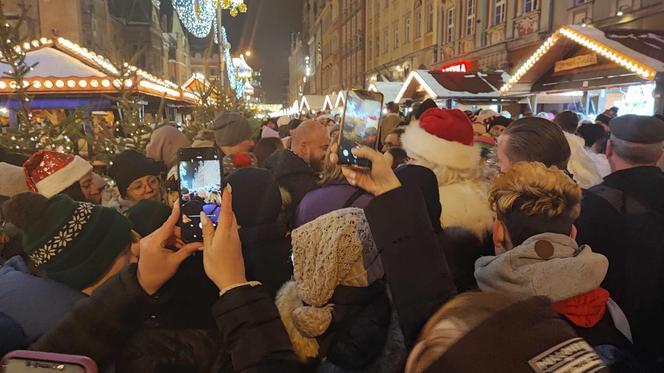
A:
[576,62]
[457,67]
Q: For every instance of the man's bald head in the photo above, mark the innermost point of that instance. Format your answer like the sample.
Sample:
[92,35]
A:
[310,142]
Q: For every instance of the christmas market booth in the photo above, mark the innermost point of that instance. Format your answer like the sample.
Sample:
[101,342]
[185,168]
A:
[390,90]
[334,102]
[452,88]
[589,70]
[66,77]
[312,104]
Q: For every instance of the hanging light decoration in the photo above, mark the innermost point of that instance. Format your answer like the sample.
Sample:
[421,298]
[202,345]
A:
[198,16]
[235,83]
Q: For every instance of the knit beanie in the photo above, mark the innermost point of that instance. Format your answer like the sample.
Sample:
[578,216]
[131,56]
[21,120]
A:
[164,144]
[49,173]
[147,216]
[12,181]
[443,137]
[131,165]
[256,197]
[230,128]
[74,243]
[335,249]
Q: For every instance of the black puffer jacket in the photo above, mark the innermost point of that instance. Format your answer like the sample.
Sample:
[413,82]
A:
[266,250]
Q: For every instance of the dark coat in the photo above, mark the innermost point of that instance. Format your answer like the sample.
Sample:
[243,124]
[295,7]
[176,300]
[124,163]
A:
[120,324]
[634,244]
[416,269]
[266,250]
[292,173]
[253,336]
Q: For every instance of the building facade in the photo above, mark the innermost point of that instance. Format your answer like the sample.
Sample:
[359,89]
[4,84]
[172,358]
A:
[352,44]
[401,35]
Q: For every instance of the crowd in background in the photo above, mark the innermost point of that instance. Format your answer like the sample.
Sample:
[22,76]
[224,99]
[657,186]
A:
[475,243]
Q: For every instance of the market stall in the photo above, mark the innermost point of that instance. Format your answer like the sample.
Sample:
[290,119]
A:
[390,90]
[66,76]
[462,90]
[312,103]
[621,68]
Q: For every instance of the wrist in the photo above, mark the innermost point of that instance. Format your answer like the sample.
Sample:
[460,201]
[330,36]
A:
[228,282]
[148,288]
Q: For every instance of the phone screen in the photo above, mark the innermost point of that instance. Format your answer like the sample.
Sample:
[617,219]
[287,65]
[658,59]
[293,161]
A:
[360,125]
[200,190]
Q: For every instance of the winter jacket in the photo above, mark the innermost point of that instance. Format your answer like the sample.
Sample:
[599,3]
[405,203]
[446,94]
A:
[293,174]
[387,124]
[631,235]
[416,269]
[327,198]
[36,304]
[121,325]
[253,337]
[553,265]
[582,164]
[266,250]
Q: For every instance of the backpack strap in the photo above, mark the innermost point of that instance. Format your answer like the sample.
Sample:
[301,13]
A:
[353,197]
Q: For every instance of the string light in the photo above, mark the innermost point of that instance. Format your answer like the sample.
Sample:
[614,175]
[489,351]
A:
[627,62]
[198,16]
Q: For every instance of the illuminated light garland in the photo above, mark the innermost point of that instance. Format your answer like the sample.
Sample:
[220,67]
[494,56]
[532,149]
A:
[106,83]
[71,83]
[644,71]
[94,83]
[236,84]
[199,16]
[48,84]
[3,85]
[83,83]
[59,83]
[158,88]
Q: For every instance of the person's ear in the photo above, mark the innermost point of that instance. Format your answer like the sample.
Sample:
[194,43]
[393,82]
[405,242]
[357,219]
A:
[609,149]
[498,236]
[573,232]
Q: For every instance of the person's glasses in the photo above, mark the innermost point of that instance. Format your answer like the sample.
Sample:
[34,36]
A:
[139,186]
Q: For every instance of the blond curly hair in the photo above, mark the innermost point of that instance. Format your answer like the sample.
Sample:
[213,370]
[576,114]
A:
[535,190]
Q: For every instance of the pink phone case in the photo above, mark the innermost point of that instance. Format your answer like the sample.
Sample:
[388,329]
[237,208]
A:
[43,362]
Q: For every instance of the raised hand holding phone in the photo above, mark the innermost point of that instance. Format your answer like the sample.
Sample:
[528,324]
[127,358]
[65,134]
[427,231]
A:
[378,180]
[156,263]
[222,249]
[360,126]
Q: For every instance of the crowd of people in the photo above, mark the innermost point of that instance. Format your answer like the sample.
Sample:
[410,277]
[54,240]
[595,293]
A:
[475,243]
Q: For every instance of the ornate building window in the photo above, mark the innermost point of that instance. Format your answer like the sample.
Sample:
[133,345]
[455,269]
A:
[429,10]
[470,17]
[449,36]
[418,19]
[498,12]
[529,5]
[406,28]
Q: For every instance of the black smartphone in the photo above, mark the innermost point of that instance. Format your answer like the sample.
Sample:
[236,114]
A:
[360,123]
[199,172]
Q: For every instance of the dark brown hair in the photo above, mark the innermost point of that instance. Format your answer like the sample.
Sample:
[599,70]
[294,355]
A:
[567,120]
[537,140]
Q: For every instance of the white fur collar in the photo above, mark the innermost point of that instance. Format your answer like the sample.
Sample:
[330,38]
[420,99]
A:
[421,144]
[287,300]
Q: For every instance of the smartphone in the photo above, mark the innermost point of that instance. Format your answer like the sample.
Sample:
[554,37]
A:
[199,172]
[360,123]
[46,362]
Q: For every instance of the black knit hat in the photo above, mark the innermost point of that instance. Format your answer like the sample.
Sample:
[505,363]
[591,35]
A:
[131,165]
[256,197]
[147,216]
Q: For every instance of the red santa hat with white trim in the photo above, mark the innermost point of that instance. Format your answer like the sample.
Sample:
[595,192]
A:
[443,137]
[49,173]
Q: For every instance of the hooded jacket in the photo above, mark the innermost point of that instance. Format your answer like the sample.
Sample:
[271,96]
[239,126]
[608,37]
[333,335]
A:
[292,173]
[553,265]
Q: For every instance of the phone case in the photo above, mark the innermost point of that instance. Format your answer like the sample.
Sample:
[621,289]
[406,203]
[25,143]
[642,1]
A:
[46,362]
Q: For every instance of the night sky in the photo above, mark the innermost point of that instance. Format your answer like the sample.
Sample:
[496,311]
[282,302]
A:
[271,22]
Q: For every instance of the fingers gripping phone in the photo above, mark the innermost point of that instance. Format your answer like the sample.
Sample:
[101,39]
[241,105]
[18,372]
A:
[360,123]
[199,171]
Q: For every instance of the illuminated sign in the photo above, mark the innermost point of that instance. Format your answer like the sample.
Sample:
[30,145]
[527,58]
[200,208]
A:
[457,67]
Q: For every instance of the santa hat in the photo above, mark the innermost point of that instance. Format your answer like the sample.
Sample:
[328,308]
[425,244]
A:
[49,173]
[13,180]
[442,137]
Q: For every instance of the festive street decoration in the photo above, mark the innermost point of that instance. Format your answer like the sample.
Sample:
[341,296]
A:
[199,16]
[236,84]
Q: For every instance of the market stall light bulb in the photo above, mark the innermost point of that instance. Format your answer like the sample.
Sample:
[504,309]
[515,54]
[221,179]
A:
[48,84]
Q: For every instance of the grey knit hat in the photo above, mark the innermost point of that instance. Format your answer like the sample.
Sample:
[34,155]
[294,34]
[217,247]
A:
[230,128]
